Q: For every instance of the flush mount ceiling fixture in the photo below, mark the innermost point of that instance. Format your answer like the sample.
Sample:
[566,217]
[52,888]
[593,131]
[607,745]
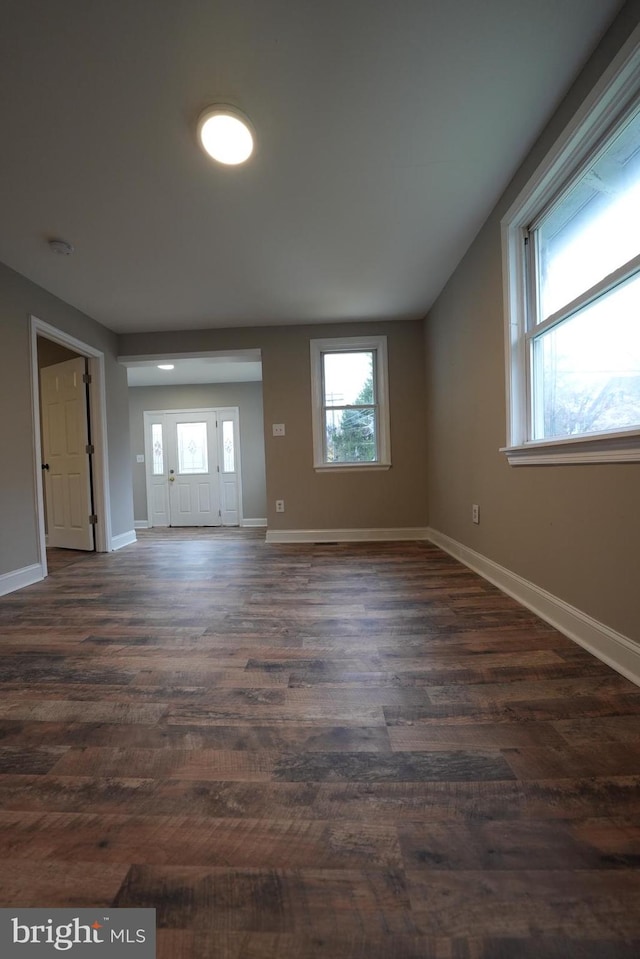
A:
[226,134]
[166,366]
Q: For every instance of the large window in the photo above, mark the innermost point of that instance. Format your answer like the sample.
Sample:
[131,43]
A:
[350,403]
[572,267]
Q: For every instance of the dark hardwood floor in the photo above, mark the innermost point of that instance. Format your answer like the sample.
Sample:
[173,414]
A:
[350,752]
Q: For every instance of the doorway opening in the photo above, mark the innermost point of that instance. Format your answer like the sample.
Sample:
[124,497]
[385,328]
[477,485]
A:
[193,470]
[69,426]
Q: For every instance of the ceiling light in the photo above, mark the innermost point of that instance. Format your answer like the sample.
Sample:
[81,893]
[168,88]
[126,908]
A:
[225,134]
[166,366]
[61,247]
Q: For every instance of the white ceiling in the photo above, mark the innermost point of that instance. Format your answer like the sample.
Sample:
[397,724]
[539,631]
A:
[386,132]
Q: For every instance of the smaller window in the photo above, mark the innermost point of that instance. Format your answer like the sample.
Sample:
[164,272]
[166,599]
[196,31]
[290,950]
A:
[350,409]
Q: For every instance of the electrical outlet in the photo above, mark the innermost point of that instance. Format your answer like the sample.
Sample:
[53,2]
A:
[278,429]
[279,506]
[475,513]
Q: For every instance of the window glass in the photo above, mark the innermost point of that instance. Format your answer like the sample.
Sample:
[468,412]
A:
[158,449]
[593,229]
[192,448]
[587,369]
[350,436]
[228,449]
[349,415]
[348,378]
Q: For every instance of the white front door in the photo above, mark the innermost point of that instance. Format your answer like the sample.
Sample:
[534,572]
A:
[66,467]
[192,463]
[193,467]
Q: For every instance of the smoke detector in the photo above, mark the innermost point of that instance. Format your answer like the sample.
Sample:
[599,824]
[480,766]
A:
[61,247]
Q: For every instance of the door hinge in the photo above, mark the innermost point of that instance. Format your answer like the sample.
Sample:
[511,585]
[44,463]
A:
[93,519]
[86,377]
[90,449]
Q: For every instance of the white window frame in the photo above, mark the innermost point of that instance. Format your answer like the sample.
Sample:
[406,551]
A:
[350,344]
[610,99]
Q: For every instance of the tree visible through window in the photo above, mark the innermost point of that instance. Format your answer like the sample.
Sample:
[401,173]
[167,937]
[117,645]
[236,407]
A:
[350,414]
[350,431]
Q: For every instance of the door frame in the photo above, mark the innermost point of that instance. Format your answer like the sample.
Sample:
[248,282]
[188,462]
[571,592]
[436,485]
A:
[98,419]
[148,415]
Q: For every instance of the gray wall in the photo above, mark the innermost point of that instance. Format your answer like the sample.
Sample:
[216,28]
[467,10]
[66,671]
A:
[18,299]
[572,530]
[372,499]
[246,396]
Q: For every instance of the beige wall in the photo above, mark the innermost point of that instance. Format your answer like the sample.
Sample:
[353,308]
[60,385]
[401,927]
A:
[395,498]
[572,530]
[18,299]
[246,396]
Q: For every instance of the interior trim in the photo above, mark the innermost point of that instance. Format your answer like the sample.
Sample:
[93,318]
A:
[123,539]
[346,535]
[19,578]
[614,649]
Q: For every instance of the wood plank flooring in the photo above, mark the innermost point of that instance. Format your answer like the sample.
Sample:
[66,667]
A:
[319,752]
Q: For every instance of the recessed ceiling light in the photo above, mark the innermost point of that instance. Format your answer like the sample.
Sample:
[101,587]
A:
[225,134]
[166,366]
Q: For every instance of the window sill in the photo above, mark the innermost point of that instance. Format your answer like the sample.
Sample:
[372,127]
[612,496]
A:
[623,447]
[350,467]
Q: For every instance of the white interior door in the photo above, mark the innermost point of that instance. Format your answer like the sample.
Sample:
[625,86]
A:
[66,466]
[192,463]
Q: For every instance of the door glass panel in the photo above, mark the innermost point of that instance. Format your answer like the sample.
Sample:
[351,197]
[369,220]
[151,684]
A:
[192,448]
[158,449]
[228,449]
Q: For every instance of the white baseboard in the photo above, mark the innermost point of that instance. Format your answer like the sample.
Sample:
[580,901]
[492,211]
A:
[19,578]
[254,523]
[345,535]
[124,539]
[614,649]
[141,524]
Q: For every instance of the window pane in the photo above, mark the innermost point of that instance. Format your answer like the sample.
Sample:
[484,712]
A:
[158,449]
[350,436]
[587,369]
[192,448]
[348,378]
[228,450]
[593,230]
